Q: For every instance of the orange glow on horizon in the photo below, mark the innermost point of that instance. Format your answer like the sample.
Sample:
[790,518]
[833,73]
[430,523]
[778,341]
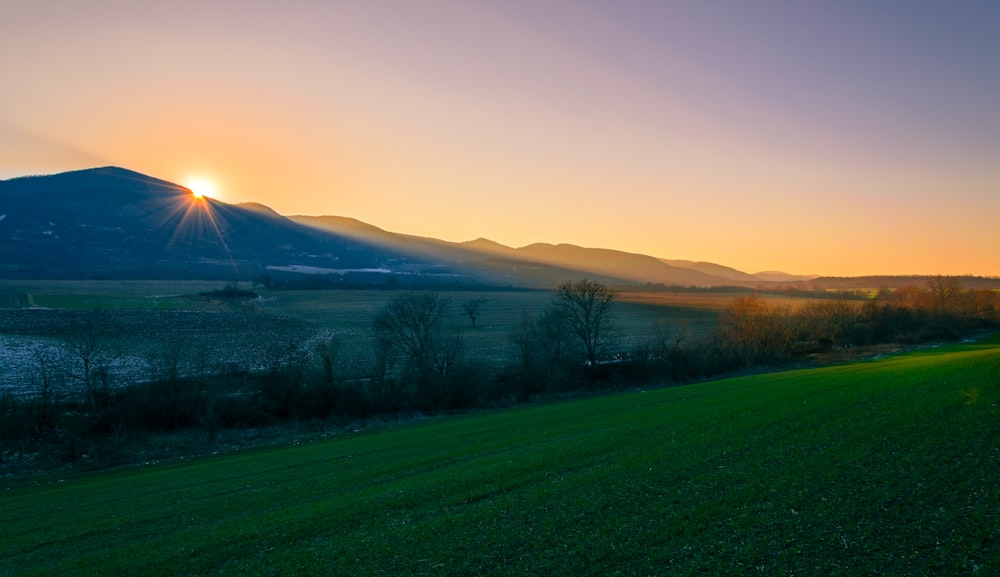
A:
[522,133]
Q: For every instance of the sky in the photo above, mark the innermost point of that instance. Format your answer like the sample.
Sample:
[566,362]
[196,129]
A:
[838,138]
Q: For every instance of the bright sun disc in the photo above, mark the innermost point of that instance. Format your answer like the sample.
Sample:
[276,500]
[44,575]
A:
[201,187]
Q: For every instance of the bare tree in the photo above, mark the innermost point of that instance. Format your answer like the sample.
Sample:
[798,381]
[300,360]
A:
[49,379]
[328,352]
[827,322]
[522,338]
[89,341]
[286,366]
[383,382]
[587,307]
[167,358]
[413,324]
[552,339]
[665,340]
[544,348]
[944,288]
[760,333]
[471,309]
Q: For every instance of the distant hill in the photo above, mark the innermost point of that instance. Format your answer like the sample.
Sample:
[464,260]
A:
[115,223]
[535,264]
[783,277]
[111,222]
[716,270]
[615,263]
[487,261]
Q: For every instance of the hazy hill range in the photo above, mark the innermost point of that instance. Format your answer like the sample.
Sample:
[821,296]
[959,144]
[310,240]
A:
[115,223]
[486,261]
[535,262]
[716,270]
[783,277]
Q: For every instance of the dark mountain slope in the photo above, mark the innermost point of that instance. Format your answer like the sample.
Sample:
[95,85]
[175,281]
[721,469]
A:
[115,223]
[112,222]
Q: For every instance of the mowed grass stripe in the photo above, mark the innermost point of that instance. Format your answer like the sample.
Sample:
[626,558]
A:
[871,468]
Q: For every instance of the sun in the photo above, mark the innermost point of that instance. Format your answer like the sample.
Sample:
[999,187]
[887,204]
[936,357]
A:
[201,187]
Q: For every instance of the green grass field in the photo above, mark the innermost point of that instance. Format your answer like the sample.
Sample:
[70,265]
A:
[888,467]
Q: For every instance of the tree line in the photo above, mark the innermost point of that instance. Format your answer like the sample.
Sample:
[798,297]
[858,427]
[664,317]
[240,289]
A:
[418,363]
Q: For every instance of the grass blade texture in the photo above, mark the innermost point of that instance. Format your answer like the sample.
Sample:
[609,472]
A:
[888,467]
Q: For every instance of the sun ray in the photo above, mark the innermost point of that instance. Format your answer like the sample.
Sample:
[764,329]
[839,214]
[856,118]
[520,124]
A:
[194,213]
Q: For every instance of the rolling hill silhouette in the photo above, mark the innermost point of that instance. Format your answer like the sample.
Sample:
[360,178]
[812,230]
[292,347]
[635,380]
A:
[116,223]
[112,222]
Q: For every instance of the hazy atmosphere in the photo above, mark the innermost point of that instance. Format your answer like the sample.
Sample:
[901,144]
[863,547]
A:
[842,138]
[499,287]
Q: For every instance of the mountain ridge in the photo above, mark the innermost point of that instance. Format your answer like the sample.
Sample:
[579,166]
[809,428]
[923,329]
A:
[112,221]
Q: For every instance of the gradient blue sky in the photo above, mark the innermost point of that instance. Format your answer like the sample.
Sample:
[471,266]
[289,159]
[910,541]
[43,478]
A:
[840,138]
